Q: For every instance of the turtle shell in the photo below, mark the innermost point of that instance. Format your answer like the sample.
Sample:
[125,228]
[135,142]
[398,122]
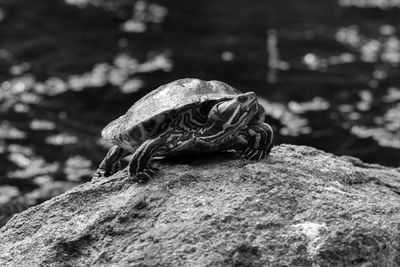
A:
[166,98]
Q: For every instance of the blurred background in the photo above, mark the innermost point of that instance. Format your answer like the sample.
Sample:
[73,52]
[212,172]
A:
[327,73]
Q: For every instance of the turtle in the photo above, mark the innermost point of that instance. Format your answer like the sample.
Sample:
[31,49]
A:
[186,116]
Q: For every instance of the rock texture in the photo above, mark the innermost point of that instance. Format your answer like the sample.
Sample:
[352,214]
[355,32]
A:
[299,207]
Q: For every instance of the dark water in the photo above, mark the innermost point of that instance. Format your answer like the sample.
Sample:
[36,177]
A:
[326,71]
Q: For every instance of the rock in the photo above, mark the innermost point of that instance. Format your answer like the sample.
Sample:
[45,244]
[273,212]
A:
[299,207]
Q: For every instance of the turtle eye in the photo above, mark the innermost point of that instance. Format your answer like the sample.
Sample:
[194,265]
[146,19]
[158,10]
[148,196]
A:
[242,98]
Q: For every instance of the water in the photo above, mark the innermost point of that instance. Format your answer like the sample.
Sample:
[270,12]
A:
[327,73]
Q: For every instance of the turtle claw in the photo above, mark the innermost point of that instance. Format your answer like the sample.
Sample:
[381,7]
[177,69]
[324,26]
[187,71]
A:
[153,171]
[115,168]
[111,163]
[259,138]
[98,174]
[254,154]
[145,175]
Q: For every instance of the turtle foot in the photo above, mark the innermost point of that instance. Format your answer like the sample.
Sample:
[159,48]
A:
[255,154]
[98,175]
[145,175]
[115,168]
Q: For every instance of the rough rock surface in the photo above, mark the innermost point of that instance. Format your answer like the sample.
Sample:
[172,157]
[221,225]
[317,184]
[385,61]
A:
[299,207]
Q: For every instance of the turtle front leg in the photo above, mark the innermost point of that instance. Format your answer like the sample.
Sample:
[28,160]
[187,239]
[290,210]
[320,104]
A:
[140,165]
[259,137]
[111,163]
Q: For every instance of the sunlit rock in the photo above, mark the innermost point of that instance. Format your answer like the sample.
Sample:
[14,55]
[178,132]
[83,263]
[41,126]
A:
[299,207]
[315,232]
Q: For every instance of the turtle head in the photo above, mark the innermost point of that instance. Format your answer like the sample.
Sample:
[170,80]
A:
[231,115]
